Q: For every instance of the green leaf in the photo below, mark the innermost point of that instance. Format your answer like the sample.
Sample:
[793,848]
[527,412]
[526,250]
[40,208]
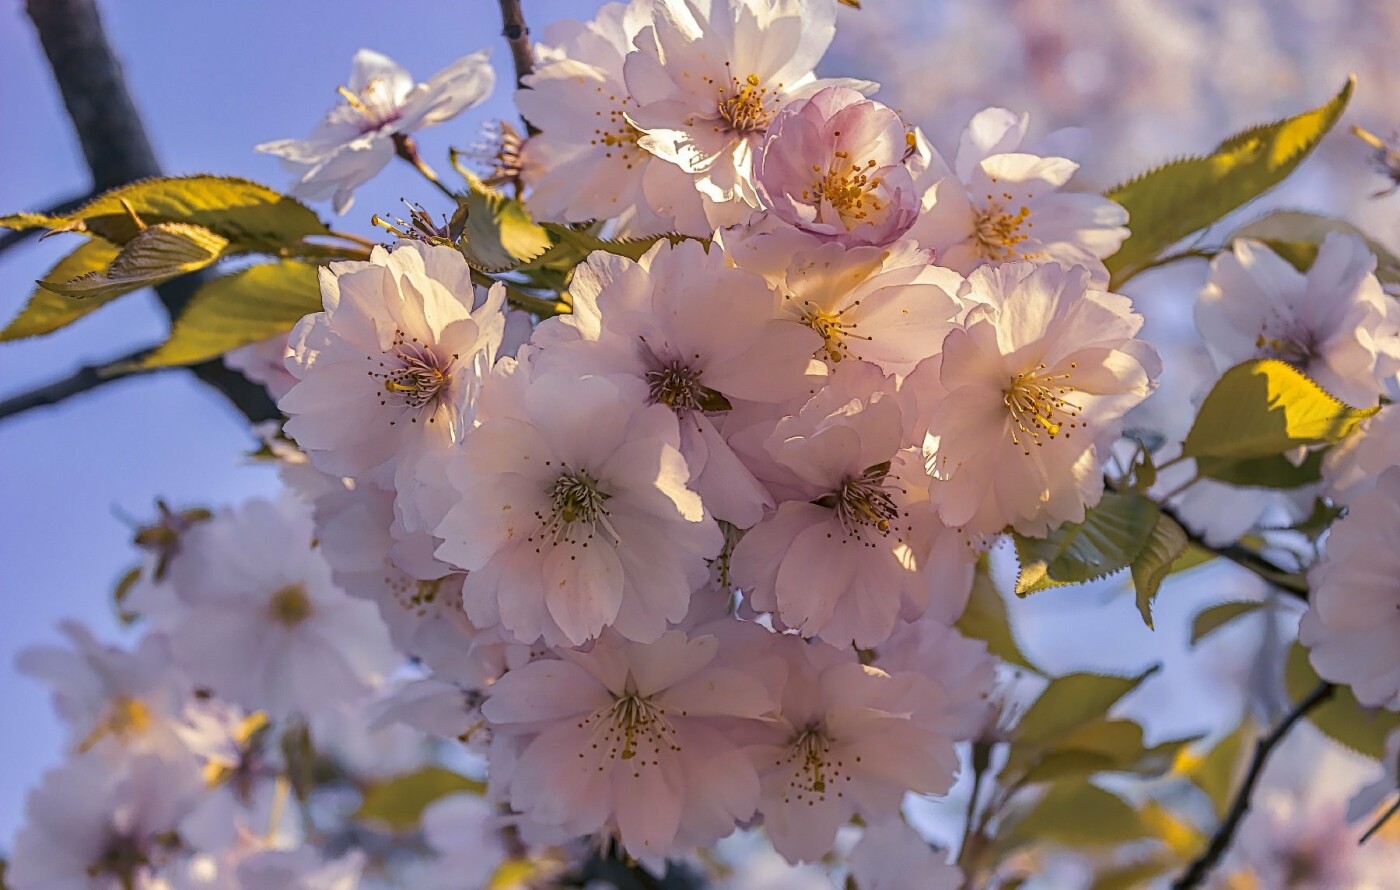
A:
[1208,621]
[1262,472]
[580,243]
[499,234]
[251,216]
[47,311]
[1174,200]
[398,803]
[986,619]
[1130,877]
[1077,814]
[1341,717]
[1266,407]
[1071,702]
[1111,536]
[1105,745]
[1158,558]
[157,254]
[1214,771]
[249,305]
[1296,235]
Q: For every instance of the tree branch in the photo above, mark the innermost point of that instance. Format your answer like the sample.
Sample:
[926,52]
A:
[86,378]
[517,34]
[1196,873]
[117,150]
[1265,568]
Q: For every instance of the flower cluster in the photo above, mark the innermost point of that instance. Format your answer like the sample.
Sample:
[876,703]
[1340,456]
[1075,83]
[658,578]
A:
[689,558]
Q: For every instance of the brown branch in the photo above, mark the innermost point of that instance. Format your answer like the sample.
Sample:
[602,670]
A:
[117,150]
[1196,873]
[86,378]
[517,34]
[1265,568]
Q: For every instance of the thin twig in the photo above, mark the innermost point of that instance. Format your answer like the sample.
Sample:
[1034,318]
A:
[1265,568]
[1196,873]
[1385,817]
[86,378]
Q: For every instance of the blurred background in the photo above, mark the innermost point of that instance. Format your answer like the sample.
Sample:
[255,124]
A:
[1147,80]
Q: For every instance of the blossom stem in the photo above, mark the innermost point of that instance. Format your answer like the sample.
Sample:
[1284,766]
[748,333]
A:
[406,148]
[1199,869]
[979,768]
[1385,817]
[517,34]
[348,236]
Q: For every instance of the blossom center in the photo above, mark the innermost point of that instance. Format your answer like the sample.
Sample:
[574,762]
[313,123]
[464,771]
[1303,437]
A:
[865,501]
[576,498]
[815,771]
[126,717]
[849,189]
[999,232]
[834,330]
[414,375]
[1295,347]
[1038,407]
[677,385]
[122,859]
[632,728]
[747,106]
[374,104]
[289,606]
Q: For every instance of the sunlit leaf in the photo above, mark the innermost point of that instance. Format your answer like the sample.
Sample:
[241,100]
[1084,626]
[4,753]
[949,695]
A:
[251,216]
[1156,561]
[1111,536]
[1342,717]
[47,311]
[1208,621]
[155,255]
[249,305]
[498,234]
[1264,408]
[1174,200]
[398,803]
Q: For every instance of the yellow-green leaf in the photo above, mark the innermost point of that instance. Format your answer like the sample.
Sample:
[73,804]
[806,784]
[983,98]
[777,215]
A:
[1264,408]
[1214,771]
[250,215]
[1262,472]
[157,254]
[1111,536]
[1102,745]
[398,803]
[1133,876]
[1077,814]
[47,311]
[986,619]
[22,221]
[1208,621]
[249,305]
[1174,200]
[499,234]
[579,243]
[1287,232]
[1342,717]
[1155,562]
[1071,702]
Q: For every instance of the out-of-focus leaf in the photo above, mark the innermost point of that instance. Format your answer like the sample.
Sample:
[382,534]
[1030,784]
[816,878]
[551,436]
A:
[1070,702]
[1130,877]
[1103,745]
[1174,200]
[1208,621]
[1157,560]
[251,216]
[47,311]
[1262,472]
[986,619]
[249,305]
[1341,717]
[1296,235]
[155,255]
[1215,771]
[398,803]
[1264,408]
[513,874]
[1111,536]
[1076,814]
[1183,839]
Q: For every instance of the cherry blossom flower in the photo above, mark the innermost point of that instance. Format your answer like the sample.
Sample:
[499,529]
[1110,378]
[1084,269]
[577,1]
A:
[466,834]
[301,869]
[1025,397]
[90,827]
[844,744]
[392,366]
[382,103]
[833,165]
[1257,305]
[1354,464]
[264,362]
[999,204]
[1353,617]
[575,512]
[627,740]
[700,335]
[962,668]
[585,164]
[893,856]
[260,621]
[709,76]
[134,701]
[1368,801]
